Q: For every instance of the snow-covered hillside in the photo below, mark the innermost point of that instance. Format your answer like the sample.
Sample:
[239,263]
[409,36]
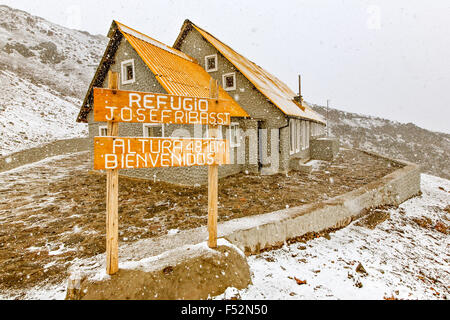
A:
[46,53]
[404,257]
[397,140]
[38,116]
[44,72]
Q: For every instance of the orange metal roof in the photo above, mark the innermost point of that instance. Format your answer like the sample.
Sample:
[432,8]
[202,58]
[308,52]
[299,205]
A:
[269,85]
[178,73]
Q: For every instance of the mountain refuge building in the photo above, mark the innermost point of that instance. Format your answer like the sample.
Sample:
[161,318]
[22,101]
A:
[272,129]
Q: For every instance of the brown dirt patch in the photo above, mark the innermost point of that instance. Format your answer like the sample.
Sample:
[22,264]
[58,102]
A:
[441,227]
[427,223]
[53,213]
[424,222]
[374,216]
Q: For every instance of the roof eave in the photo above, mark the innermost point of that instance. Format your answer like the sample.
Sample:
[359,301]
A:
[187,25]
[112,34]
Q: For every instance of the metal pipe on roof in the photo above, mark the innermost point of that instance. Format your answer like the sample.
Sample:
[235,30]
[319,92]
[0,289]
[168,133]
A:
[300,88]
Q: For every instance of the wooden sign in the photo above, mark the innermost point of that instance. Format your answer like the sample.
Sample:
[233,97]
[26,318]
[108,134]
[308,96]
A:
[133,153]
[113,153]
[141,107]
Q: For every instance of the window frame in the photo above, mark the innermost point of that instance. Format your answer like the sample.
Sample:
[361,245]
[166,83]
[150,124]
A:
[308,134]
[216,63]
[237,135]
[292,134]
[298,135]
[100,131]
[224,76]
[124,64]
[304,135]
[145,131]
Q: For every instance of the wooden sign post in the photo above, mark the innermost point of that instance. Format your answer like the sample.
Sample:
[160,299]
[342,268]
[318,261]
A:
[114,153]
[112,197]
[213,178]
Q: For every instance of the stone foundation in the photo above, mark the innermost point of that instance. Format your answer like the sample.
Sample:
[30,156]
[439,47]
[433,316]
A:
[187,273]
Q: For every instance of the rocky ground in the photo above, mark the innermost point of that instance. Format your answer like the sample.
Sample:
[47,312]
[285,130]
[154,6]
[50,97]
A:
[53,212]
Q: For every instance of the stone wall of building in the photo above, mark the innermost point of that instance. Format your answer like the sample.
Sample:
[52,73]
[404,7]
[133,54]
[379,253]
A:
[249,98]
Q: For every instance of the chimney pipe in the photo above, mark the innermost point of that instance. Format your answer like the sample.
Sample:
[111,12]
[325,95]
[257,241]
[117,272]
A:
[300,88]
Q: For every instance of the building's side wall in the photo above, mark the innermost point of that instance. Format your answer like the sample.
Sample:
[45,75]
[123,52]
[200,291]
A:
[147,82]
[314,132]
[248,97]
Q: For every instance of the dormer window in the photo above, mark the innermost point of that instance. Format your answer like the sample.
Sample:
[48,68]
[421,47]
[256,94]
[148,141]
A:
[229,81]
[128,73]
[211,63]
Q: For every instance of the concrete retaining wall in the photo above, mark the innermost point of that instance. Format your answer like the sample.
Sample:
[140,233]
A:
[52,149]
[252,234]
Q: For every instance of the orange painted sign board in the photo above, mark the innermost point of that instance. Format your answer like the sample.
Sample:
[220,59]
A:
[133,153]
[141,107]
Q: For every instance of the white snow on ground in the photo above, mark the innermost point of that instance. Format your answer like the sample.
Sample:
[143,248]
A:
[46,292]
[400,257]
[316,165]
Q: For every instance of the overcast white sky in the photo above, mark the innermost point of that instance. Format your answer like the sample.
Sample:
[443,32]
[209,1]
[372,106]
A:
[384,58]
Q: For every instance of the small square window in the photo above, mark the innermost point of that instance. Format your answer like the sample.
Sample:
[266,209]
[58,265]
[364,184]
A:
[154,130]
[128,72]
[103,131]
[211,63]
[229,81]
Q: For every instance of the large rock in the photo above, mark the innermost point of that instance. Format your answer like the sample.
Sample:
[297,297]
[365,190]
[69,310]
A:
[188,273]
